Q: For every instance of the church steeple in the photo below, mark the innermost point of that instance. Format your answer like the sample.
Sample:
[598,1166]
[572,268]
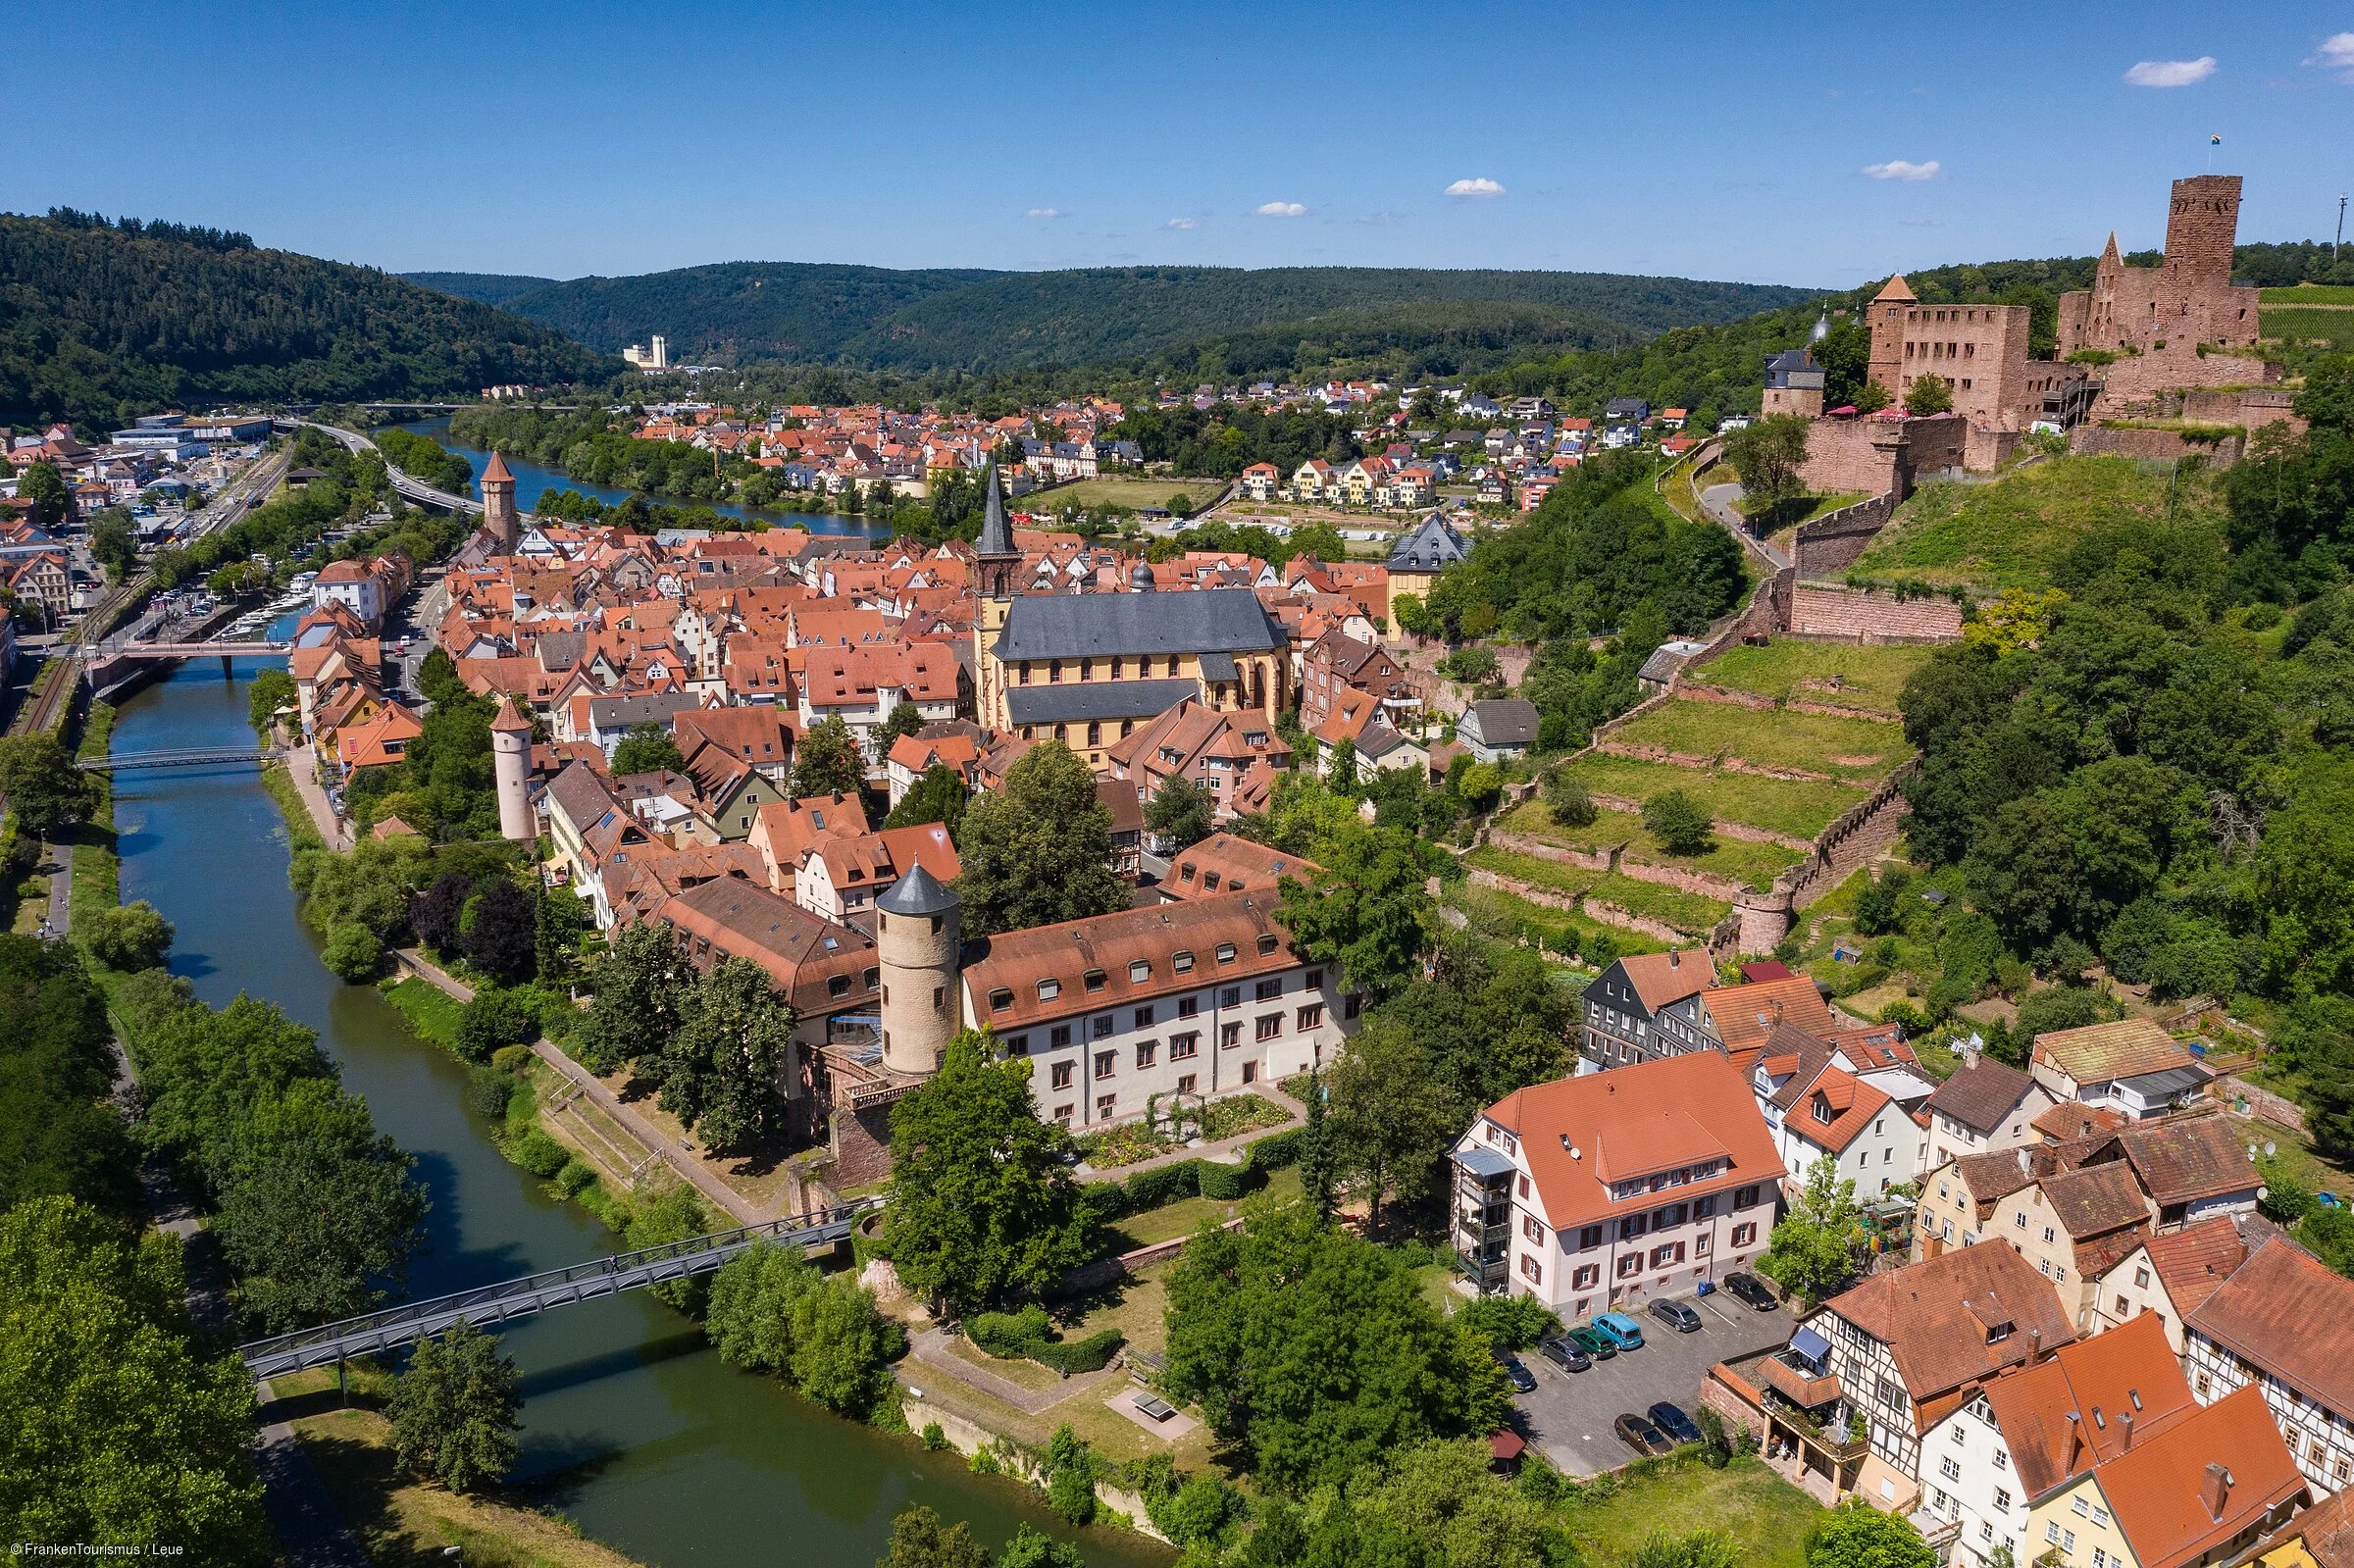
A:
[995,552]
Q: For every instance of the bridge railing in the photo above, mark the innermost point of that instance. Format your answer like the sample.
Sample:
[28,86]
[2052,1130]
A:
[384,1326]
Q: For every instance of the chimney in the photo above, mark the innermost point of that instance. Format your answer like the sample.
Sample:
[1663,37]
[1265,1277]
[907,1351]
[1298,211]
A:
[2214,1489]
[1969,1053]
[1675,959]
[2076,1442]
[2035,1345]
[2026,1166]
[2125,1423]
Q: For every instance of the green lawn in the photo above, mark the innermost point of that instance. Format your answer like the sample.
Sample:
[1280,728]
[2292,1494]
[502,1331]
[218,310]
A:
[431,1011]
[1856,750]
[2006,534]
[1753,865]
[1128,492]
[1797,808]
[1868,677]
[1768,1517]
[1184,1216]
[1692,913]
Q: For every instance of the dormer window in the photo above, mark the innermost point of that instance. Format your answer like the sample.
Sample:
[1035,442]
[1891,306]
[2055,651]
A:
[1225,952]
[1049,990]
[1000,999]
[1267,946]
[1140,971]
[1094,980]
[1822,1110]
[1182,962]
[1209,879]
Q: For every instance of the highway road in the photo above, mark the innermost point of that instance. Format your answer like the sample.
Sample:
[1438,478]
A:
[415,492]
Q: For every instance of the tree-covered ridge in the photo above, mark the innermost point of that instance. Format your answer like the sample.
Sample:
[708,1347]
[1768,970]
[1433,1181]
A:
[99,323]
[985,321]
[484,288]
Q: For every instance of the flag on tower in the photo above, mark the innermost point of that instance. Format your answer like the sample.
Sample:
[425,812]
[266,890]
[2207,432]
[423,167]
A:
[2215,141]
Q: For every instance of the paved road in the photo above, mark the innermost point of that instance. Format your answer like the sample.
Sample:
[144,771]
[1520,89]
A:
[1569,1414]
[1717,501]
[416,490]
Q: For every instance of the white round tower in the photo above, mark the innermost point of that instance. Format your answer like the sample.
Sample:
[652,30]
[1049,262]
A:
[918,932]
[510,767]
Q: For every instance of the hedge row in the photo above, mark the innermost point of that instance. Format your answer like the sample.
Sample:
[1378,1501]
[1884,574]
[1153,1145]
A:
[1027,1335]
[1220,1184]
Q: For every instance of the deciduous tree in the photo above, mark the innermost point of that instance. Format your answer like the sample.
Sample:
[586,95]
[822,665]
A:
[1856,1535]
[1390,1116]
[1182,814]
[499,932]
[1769,455]
[1812,1251]
[982,1200]
[828,761]
[719,1069]
[1679,822]
[130,936]
[640,986]
[939,796]
[647,748]
[1368,911]
[1038,851]
[454,1410]
[43,788]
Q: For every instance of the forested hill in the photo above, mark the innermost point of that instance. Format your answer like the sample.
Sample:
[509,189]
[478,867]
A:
[102,321]
[988,322]
[484,288]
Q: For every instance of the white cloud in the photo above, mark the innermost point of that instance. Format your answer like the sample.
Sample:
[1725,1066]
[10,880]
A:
[2171,73]
[2336,53]
[1042,212]
[1476,187]
[1281,209]
[1899,169]
[1181,223]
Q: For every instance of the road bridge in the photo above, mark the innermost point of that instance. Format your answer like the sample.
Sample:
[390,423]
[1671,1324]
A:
[393,1327]
[410,489]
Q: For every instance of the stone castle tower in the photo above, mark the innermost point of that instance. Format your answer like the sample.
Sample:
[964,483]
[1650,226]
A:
[2185,301]
[500,516]
[510,766]
[919,931]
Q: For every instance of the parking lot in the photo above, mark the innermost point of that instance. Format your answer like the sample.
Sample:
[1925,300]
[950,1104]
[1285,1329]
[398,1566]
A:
[1568,1416]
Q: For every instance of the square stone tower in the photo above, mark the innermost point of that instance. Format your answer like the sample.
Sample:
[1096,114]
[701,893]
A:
[2202,223]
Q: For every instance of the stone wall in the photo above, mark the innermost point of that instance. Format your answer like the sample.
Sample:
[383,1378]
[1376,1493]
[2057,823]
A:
[1741,1411]
[2105,440]
[1853,454]
[1857,836]
[1599,910]
[861,1147]
[1613,859]
[1837,539]
[2175,366]
[970,1438]
[1855,616]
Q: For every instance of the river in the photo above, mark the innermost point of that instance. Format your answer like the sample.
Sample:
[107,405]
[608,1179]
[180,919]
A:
[532,481]
[632,1427]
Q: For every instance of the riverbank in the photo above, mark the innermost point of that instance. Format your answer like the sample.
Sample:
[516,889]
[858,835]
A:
[400,1520]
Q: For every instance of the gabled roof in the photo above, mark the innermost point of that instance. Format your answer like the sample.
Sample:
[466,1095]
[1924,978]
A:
[1661,979]
[1746,1014]
[1067,625]
[2095,1199]
[1579,1134]
[1981,1094]
[2091,1401]
[1955,1320]
[2100,1053]
[2158,1490]
[2181,1160]
[2293,1316]
[2193,1261]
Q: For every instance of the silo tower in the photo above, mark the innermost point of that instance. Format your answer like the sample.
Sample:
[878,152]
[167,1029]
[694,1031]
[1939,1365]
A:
[918,930]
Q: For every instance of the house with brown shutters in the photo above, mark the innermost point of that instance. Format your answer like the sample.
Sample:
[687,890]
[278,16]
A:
[1986,1106]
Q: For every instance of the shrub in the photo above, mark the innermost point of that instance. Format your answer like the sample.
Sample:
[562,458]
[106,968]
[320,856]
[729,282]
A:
[1569,801]
[130,936]
[487,1091]
[574,1178]
[1514,1322]
[934,1438]
[1071,1489]
[1072,1358]
[1009,1335]
[1205,1508]
[539,1153]
[493,1020]
[1678,822]
[1276,1152]
[1222,1183]
[353,952]
[1164,1184]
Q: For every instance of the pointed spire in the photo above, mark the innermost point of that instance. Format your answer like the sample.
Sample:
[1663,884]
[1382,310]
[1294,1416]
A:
[2109,252]
[1898,291]
[509,718]
[495,472]
[997,533]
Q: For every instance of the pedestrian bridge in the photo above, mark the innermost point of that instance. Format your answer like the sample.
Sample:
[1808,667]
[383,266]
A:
[373,1331]
[181,757]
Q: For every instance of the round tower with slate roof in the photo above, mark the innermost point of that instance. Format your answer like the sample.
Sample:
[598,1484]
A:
[510,770]
[918,935]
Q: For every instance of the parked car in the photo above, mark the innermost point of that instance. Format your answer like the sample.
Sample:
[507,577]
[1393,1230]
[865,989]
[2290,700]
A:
[1624,1331]
[1564,1352]
[1514,1373]
[1747,1289]
[1672,1420]
[1678,1316]
[1596,1343]
[1641,1436]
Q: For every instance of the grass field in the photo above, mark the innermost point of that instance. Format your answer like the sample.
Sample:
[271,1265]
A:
[1753,864]
[2007,535]
[1868,677]
[1766,1517]
[431,1011]
[1858,750]
[1686,912]
[1792,807]
[1134,493]
[1499,913]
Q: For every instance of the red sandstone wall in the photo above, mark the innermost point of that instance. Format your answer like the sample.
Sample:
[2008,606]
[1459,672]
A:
[1837,539]
[1841,455]
[2101,440]
[1858,616]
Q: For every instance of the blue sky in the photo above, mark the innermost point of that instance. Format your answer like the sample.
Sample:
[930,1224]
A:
[1701,140]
